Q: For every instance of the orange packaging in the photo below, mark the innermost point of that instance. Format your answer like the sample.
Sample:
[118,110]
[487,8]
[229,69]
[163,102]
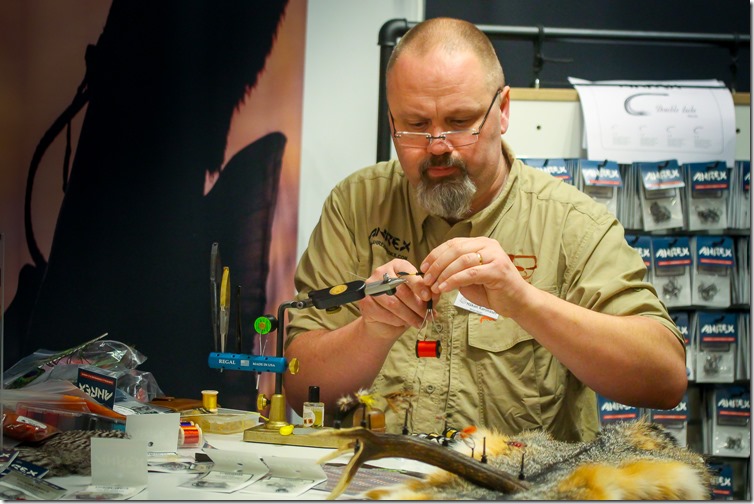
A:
[26,429]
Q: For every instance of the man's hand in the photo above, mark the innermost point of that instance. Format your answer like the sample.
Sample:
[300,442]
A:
[480,269]
[388,316]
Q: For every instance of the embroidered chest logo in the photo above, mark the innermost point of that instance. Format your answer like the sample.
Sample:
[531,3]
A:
[394,246]
[525,264]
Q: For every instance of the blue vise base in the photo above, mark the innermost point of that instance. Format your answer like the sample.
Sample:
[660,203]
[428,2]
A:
[246,362]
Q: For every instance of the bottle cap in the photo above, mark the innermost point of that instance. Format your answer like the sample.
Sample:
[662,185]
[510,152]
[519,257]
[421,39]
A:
[313,393]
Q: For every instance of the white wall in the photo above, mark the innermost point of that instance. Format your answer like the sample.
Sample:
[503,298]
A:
[341,91]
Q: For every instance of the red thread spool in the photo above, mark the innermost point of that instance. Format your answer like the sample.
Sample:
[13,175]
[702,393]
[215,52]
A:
[428,349]
[189,435]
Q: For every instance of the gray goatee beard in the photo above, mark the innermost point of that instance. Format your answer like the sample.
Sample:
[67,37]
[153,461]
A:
[449,197]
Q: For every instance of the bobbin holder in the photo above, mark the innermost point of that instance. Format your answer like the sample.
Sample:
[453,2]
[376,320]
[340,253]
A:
[425,347]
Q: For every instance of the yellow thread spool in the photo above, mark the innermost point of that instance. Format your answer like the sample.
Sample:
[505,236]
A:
[209,400]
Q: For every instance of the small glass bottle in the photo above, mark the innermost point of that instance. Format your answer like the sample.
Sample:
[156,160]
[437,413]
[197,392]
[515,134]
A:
[314,411]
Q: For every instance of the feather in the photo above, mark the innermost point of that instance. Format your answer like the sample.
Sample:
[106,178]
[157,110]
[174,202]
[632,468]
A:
[67,452]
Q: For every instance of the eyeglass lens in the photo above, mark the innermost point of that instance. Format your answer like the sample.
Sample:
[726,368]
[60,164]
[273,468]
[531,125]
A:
[453,138]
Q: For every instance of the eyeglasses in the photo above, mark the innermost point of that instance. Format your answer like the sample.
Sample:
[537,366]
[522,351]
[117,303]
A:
[459,138]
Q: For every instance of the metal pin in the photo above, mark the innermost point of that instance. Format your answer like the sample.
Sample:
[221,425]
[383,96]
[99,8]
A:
[521,472]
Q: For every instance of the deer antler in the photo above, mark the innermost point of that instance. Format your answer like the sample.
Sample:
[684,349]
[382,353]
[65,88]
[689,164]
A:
[373,446]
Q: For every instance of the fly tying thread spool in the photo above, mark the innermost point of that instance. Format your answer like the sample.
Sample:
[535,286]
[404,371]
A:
[189,434]
[428,349]
[425,348]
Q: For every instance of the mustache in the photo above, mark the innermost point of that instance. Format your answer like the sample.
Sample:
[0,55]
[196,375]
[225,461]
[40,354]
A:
[445,160]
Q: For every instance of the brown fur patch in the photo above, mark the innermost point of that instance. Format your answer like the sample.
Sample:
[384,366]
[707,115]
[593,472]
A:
[629,461]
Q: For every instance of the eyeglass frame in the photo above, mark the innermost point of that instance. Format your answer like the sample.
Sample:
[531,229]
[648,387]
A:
[443,134]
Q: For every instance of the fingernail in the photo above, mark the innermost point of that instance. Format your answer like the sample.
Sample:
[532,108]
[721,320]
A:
[428,278]
[424,267]
[442,286]
[426,295]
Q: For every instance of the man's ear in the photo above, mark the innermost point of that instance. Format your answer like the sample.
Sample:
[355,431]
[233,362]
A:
[505,108]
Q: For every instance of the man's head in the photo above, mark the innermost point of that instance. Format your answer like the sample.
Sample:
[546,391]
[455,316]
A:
[444,76]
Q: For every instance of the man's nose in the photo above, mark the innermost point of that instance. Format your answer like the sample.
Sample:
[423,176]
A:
[439,145]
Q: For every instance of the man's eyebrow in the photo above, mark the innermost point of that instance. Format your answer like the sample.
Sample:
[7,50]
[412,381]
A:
[456,113]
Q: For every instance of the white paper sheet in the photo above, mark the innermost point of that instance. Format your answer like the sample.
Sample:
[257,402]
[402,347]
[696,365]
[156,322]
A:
[119,470]
[159,433]
[232,471]
[645,121]
[288,477]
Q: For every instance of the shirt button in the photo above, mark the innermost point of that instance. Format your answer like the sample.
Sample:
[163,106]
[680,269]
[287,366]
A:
[430,389]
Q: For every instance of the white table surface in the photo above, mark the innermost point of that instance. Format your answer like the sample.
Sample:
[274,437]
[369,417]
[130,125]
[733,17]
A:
[164,486]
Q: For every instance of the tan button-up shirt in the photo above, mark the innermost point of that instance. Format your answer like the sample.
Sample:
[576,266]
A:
[491,372]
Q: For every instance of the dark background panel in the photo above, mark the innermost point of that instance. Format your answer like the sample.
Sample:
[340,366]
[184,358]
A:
[600,60]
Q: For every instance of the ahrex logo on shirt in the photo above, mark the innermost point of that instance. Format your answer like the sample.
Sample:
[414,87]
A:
[391,243]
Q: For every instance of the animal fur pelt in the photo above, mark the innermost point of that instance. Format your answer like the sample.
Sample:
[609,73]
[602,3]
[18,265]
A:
[627,461]
[66,453]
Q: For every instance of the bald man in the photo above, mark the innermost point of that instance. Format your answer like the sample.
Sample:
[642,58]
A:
[538,301]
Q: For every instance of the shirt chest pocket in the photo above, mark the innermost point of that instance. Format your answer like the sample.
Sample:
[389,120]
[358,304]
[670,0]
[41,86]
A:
[491,335]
